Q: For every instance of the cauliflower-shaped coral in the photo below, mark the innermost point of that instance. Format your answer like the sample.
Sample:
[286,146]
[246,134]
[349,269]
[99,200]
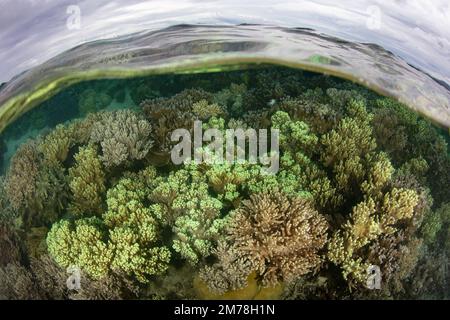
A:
[192,212]
[124,238]
[80,244]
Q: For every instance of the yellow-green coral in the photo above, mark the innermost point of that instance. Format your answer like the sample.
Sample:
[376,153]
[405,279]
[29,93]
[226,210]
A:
[80,244]
[124,238]
[368,220]
[87,183]
[191,211]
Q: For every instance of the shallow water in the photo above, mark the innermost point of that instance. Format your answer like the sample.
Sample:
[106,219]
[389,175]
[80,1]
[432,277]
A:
[363,180]
[101,165]
[207,48]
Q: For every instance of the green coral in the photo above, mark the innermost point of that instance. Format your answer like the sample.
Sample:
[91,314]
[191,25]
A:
[367,222]
[124,238]
[87,183]
[192,212]
[80,244]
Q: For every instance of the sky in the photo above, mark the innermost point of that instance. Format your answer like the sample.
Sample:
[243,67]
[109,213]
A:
[33,31]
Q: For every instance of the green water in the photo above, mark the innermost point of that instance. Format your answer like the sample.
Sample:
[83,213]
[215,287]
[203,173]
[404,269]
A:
[363,181]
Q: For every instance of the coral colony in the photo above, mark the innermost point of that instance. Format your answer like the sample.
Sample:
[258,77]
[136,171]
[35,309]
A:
[359,184]
[235,147]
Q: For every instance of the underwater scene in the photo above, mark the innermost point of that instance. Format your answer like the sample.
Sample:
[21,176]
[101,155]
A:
[197,156]
[362,183]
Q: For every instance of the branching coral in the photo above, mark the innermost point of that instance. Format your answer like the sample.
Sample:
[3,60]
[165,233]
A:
[10,245]
[397,255]
[422,141]
[16,283]
[299,174]
[229,273]
[193,213]
[35,189]
[80,244]
[368,221]
[123,136]
[56,145]
[321,117]
[134,230]
[87,182]
[351,139]
[22,175]
[124,239]
[294,135]
[204,110]
[7,214]
[281,236]
[169,114]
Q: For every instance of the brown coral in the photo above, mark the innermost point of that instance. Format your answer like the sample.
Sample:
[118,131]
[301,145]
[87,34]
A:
[22,175]
[169,114]
[229,273]
[123,136]
[280,235]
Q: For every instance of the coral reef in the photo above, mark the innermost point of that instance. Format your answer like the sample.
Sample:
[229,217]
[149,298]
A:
[362,183]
